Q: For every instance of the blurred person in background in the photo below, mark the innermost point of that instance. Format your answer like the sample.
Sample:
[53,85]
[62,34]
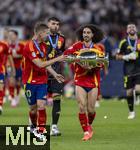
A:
[5,34]
[129,51]
[55,47]
[5,54]
[16,47]
[7,65]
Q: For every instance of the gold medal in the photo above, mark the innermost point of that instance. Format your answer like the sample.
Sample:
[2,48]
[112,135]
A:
[50,55]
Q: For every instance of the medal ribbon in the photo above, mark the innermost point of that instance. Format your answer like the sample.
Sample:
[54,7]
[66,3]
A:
[54,45]
[135,44]
[91,45]
[38,48]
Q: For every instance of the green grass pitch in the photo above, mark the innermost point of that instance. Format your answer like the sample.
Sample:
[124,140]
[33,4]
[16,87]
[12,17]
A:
[115,132]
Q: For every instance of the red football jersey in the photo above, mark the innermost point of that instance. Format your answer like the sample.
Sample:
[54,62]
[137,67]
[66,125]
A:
[84,77]
[32,73]
[4,52]
[18,49]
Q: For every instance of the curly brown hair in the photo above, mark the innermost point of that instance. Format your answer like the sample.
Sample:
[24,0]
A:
[98,33]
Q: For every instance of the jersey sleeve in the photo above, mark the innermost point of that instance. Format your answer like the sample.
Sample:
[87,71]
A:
[7,50]
[29,51]
[63,46]
[122,47]
[71,50]
[21,48]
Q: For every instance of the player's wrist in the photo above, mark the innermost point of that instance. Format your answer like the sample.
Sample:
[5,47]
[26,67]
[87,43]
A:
[54,74]
[60,58]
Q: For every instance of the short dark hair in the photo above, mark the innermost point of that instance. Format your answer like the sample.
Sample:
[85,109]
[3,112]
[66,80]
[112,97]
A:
[39,26]
[98,33]
[54,19]
[14,31]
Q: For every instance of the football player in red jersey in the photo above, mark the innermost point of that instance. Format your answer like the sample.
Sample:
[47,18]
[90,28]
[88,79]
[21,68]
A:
[4,52]
[16,48]
[86,79]
[34,76]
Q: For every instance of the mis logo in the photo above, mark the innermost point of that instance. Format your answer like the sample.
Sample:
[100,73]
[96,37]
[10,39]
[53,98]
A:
[20,138]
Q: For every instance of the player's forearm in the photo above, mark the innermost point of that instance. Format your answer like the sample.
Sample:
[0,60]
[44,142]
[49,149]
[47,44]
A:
[119,57]
[69,51]
[43,64]
[51,71]
[57,76]
[52,61]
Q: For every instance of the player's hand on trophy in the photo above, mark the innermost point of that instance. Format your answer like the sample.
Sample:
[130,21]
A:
[59,78]
[62,58]
[86,65]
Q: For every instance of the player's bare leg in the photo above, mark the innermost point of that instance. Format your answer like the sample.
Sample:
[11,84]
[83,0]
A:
[92,97]
[99,97]
[81,96]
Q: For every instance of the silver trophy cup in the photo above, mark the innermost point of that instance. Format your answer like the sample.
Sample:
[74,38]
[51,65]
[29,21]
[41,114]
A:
[89,58]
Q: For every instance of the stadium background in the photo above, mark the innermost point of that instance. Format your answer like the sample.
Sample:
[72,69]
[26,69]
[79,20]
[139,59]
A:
[111,15]
[115,132]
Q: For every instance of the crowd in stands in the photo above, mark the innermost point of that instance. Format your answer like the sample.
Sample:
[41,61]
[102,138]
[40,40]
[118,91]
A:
[111,15]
